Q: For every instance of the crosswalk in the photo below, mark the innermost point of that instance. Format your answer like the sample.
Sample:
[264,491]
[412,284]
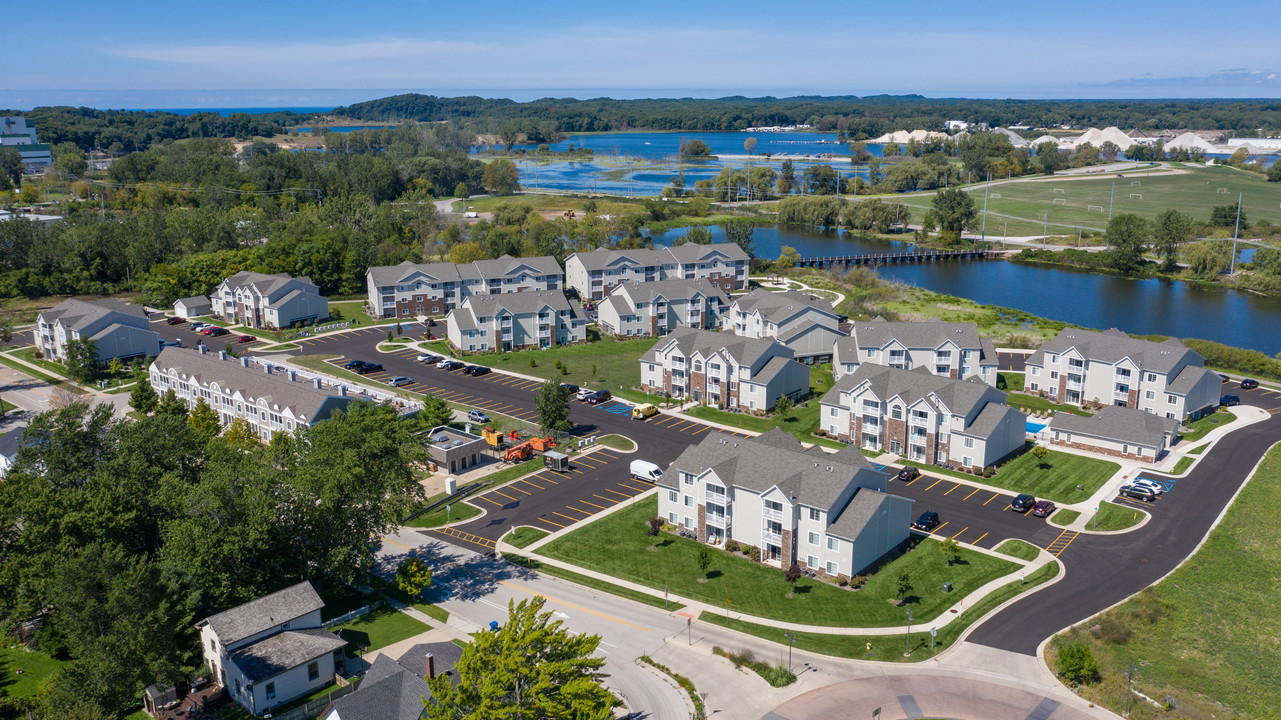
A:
[1061,543]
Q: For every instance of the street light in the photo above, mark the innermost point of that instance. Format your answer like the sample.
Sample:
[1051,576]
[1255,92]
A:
[907,649]
[1129,673]
[791,640]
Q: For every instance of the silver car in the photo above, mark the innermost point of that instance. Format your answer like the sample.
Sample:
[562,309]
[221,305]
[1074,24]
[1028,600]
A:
[1156,487]
[399,380]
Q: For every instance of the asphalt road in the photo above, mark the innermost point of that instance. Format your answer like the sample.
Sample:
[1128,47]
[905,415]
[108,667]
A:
[1014,362]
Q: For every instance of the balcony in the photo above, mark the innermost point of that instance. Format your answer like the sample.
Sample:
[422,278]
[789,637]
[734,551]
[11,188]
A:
[1071,385]
[505,322]
[544,333]
[1122,395]
[718,521]
[772,514]
[771,537]
[920,422]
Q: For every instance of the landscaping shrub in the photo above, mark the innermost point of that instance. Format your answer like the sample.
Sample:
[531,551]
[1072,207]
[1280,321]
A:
[731,546]
[1075,662]
[775,675]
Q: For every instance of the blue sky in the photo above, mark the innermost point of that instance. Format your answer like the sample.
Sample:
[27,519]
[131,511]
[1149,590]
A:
[235,53]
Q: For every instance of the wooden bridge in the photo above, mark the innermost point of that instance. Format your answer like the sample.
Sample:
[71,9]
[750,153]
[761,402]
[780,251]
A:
[917,256]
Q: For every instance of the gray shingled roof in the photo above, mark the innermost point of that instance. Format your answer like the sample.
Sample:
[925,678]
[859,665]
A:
[232,626]
[864,506]
[778,307]
[508,265]
[926,335]
[771,370]
[744,351]
[77,314]
[262,282]
[991,417]
[775,458]
[1187,379]
[387,692]
[517,303]
[671,289]
[284,651]
[194,300]
[693,252]
[445,656]
[481,269]
[960,396]
[253,382]
[688,253]
[392,274]
[1118,423]
[1112,346]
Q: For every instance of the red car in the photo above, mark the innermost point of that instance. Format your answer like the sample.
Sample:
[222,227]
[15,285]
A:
[176,321]
[1043,508]
[246,338]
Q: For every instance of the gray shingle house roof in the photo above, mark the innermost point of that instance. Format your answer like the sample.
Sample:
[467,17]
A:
[1112,346]
[193,301]
[688,253]
[778,306]
[518,303]
[1127,425]
[744,351]
[671,289]
[479,270]
[78,314]
[262,282]
[929,334]
[395,689]
[960,396]
[284,651]
[232,626]
[864,506]
[1187,378]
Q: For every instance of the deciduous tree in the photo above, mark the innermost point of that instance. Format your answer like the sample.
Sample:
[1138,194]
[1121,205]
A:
[953,211]
[1171,229]
[203,419]
[739,232]
[552,404]
[501,177]
[82,360]
[1127,234]
[413,576]
[435,412]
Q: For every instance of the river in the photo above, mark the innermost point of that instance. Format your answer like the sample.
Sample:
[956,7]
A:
[1092,300]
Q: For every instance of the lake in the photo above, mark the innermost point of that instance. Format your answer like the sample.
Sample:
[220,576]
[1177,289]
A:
[1097,301]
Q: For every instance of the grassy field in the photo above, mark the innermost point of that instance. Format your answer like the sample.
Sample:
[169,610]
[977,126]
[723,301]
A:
[800,422]
[618,545]
[618,442]
[1035,403]
[1198,450]
[1013,381]
[590,582]
[1208,634]
[1019,549]
[889,648]
[1056,481]
[916,304]
[1182,465]
[380,628]
[617,363]
[523,537]
[35,665]
[1206,424]
[1113,517]
[1065,517]
[547,203]
[457,512]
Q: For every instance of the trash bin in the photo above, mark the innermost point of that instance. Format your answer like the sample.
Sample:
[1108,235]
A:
[947,587]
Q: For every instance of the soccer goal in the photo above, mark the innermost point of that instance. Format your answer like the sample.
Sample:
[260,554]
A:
[1060,201]
[1059,191]
[1094,208]
[1223,191]
[1135,183]
[1136,196]
[996,196]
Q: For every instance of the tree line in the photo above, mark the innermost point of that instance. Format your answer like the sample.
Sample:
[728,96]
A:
[118,131]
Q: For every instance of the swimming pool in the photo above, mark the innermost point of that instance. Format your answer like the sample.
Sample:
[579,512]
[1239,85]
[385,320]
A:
[1035,428]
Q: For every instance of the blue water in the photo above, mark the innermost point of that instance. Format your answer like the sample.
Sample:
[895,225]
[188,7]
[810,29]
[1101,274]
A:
[306,129]
[654,146]
[1034,428]
[616,178]
[231,111]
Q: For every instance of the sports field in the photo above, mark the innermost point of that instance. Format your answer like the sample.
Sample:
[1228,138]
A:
[1017,207]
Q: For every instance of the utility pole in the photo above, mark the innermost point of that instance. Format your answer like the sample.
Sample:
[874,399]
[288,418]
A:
[1129,673]
[908,646]
[1045,228]
[1235,232]
[1111,200]
[791,640]
[988,186]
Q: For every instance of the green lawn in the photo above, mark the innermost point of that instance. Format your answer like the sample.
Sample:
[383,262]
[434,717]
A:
[618,442]
[1198,450]
[440,516]
[1208,634]
[1056,481]
[35,665]
[889,648]
[523,537]
[591,582]
[618,545]
[1019,549]
[617,363]
[801,421]
[1033,402]
[1012,381]
[380,628]
[1065,517]
[1112,517]
[1183,464]
[1206,424]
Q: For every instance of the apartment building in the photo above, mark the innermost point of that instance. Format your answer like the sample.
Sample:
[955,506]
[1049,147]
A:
[594,274]
[119,330]
[923,417]
[1111,368]
[656,308]
[16,133]
[484,323]
[828,513]
[411,290]
[1116,431]
[947,349]
[269,302]
[271,398]
[723,369]
[803,322]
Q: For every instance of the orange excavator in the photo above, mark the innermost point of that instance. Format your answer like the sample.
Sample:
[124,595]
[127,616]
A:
[526,450]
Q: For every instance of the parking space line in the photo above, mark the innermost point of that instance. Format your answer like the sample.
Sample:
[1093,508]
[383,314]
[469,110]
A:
[527,482]
[509,497]
[585,512]
[967,497]
[513,487]
[967,527]
[953,488]
[994,496]
[704,428]
[940,527]
[584,462]
[550,522]
[621,495]
[545,478]
[570,519]
[936,482]
[598,507]
[492,502]
[633,487]
[976,542]
[611,501]
[681,425]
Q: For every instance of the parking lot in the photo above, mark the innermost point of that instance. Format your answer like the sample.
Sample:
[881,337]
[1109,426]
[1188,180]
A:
[551,501]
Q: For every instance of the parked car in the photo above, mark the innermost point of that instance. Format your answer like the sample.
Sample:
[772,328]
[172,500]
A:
[1230,400]
[584,393]
[214,331]
[428,358]
[645,470]
[1249,384]
[175,321]
[927,521]
[448,364]
[431,322]
[1137,493]
[400,380]
[369,368]
[354,365]
[477,416]
[1043,508]
[572,388]
[170,343]
[908,474]
[476,370]
[1022,503]
[1146,484]
[644,412]
[599,397]
[246,338]
[198,326]
[1223,377]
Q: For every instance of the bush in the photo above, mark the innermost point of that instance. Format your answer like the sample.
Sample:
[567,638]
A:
[731,546]
[1114,630]
[1076,663]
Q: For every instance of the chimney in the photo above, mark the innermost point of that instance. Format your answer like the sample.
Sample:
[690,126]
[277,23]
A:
[293,375]
[203,349]
[244,362]
[431,667]
[266,367]
[315,382]
[222,354]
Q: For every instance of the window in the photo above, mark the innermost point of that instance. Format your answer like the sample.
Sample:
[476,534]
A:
[1151,377]
[1036,371]
[896,412]
[967,461]
[811,561]
[814,514]
[213,645]
[1054,358]
[833,544]
[671,517]
[969,442]
[1125,449]
[688,478]
[1170,399]
[313,670]
[671,495]
[1054,374]
[271,690]
[689,523]
[831,412]
[1150,395]
[831,568]
[689,501]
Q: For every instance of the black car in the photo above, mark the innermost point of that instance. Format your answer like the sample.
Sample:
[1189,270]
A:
[598,397]
[476,370]
[354,365]
[1249,384]
[1230,400]
[571,388]
[1022,503]
[451,365]
[908,474]
[1137,492]
[369,368]
[927,521]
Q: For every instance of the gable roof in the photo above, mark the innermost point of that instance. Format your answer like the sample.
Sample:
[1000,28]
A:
[387,692]
[508,265]
[860,510]
[1118,423]
[671,289]
[263,283]
[303,398]
[1112,346]
[960,396]
[930,334]
[779,306]
[193,300]
[603,259]
[521,303]
[451,272]
[79,314]
[232,626]
[744,351]
[284,651]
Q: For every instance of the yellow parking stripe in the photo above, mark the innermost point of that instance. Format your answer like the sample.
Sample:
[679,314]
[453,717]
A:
[621,495]
[513,487]
[546,478]
[583,461]
[509,497]
[599,507]
[967,527]
[552,522]
[571,507]
[492,502]
[704,428]
[938,530]
[611,501]
[967,497]
[936,482]
[633,487]
[570,519]
[976,542]
[527,482]
[994,496]
[953,488]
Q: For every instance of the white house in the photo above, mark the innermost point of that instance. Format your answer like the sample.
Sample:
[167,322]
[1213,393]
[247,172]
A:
[1117,431]
[828,513]
[805,323]
[1111,368]
[272,650]
[192,307]
[268,301]
[16,133]
[271,398]
[948,349]
[485,323]
[723,369]
[118,329]
[656,308]
[923,417]
[593,274]
[411,290]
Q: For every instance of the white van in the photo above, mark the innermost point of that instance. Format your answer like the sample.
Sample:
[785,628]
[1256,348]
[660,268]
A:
[645,470]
